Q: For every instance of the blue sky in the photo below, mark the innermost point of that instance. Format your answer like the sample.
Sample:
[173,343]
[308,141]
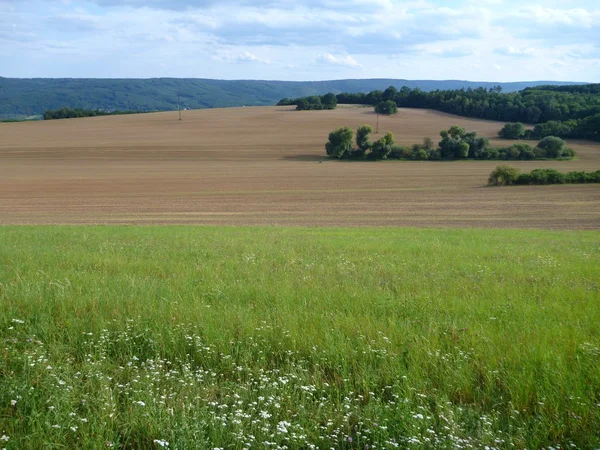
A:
[483,40]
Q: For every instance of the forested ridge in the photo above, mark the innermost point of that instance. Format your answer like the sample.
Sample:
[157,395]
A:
[34,96]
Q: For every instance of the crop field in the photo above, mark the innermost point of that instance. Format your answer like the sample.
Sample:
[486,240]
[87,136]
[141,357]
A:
[263,166]
[294,338]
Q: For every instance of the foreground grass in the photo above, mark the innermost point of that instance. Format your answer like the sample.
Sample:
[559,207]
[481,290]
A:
[288,338]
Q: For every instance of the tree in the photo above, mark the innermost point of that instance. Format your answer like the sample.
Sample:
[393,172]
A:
[302,104]
[552,145]
[503,175]
[388,108]
[452,144]
[389,94]
[428,144]
[512,131]
[363,143]
[382,148]
[329,101]
[340,142]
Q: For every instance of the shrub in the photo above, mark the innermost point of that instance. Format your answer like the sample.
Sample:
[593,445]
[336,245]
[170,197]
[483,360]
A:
[493,153]
[552,145]
[503,175]
[400,152]
[382,148]
[340,143]
[512,131]
[513,152]
[363,143]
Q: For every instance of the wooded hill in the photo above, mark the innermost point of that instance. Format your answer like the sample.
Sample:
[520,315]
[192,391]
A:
[37,95]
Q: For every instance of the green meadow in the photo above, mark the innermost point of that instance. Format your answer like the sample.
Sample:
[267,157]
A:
[275,338]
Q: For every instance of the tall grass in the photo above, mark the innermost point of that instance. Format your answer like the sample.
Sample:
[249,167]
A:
[181,337]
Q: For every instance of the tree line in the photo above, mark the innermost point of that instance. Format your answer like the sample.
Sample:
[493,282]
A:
[455,143]
[70,113]
[313,102]
[588,128]
[506,175]
[563,111]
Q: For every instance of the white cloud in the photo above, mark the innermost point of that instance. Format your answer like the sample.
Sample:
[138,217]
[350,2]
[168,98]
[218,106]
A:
[278,39]
[243,57]
[513,51]
[346,60]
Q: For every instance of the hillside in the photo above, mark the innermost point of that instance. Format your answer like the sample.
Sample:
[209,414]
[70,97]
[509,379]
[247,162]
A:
[36,95]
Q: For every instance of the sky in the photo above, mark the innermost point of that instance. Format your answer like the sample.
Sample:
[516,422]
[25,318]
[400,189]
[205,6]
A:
[478,40]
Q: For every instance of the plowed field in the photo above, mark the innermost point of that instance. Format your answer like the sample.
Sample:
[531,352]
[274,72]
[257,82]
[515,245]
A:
[266,166]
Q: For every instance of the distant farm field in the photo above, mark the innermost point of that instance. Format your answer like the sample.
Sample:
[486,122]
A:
[293,338]
[261,166]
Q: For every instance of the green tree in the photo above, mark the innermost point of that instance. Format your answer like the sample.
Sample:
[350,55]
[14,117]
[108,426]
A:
[363,143]
[512,131]
[552,145]
[382,148]
[503,175]
[302,104]
[340,142]
[388,108]
[389,94]
[329,101]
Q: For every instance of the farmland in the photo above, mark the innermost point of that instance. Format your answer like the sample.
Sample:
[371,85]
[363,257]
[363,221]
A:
[324,304]
[262,166]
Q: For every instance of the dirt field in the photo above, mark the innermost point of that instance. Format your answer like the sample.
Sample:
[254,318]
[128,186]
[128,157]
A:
[255,166]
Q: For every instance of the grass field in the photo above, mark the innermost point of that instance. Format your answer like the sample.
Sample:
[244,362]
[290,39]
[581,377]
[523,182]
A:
[183,337]
[260,166]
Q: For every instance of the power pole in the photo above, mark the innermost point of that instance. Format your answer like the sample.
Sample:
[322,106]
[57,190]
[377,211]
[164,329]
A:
[377,130]
[179,105]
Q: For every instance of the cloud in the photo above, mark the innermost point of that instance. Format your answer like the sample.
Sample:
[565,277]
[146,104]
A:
[243,57]
[280,38]
[512,51]
[346,60]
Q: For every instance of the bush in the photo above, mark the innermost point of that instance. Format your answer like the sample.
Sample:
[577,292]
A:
[552,176]
[363,143]
[512,131]
[340,143]
[503,175]
[400,152]
[552,145]
[382,148]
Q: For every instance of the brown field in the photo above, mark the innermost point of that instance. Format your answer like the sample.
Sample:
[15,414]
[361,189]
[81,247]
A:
[255,166]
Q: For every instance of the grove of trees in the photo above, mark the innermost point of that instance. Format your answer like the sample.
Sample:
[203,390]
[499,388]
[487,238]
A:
[314,102]
[587,128]
[455,143]
[505,175]
[70,113]
[562,111]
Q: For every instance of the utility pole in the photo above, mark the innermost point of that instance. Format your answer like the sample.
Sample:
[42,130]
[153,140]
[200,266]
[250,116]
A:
[377,130]
[179,105]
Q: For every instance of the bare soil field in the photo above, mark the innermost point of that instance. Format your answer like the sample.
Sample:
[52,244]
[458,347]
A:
[266,166]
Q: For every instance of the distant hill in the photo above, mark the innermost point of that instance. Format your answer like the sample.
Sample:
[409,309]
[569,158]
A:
[36,95]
